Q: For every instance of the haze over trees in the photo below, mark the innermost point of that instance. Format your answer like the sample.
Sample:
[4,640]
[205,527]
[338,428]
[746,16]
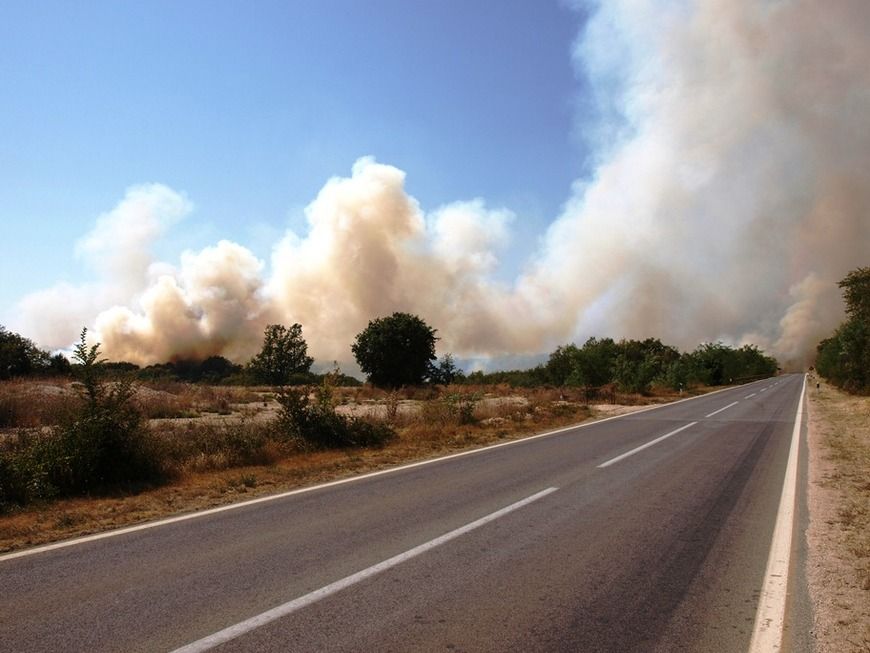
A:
[399,350]
[844,358]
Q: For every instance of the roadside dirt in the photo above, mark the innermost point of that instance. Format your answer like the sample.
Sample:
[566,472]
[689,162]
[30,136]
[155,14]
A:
[838,562]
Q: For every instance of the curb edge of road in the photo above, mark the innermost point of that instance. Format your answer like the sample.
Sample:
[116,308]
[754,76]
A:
[769,626]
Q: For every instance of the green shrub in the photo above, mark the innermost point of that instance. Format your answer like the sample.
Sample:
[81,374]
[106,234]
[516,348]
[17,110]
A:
[28,467]
[318,426]
[103,443]
[461,407]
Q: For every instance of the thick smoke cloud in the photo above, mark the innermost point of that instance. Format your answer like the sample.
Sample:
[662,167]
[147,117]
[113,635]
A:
[731,191]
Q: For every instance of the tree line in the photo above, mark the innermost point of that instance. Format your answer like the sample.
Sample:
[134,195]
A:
[399,350]
[638,365]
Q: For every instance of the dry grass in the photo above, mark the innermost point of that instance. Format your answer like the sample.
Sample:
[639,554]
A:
[218,444]
[174,399]
[207,474]
[839,534]
[33,404]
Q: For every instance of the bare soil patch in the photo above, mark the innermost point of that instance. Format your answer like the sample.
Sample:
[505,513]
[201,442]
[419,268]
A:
[839,530]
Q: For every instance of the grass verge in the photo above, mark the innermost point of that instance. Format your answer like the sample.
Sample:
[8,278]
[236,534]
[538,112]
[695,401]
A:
[216,460]
[839,532]
[197,490]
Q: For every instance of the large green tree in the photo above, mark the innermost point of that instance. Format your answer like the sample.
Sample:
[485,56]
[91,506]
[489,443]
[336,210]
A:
[395,351]
[284,354]
[19,356]
[844,358]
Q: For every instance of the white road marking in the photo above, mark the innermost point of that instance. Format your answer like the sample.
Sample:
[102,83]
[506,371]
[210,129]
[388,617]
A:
[716,412]
[285,609]
[644,446]
[311,488]
[769,620]
[763,389]
[750,396]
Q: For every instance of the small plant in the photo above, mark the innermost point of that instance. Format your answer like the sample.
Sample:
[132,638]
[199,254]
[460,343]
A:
[392,406]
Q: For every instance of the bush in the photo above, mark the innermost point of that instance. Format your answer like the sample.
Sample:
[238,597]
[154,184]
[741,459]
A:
[26,465]
[318,426]
[100,444]
[104,442]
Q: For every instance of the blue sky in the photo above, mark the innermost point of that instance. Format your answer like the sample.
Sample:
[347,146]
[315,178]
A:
[248,108]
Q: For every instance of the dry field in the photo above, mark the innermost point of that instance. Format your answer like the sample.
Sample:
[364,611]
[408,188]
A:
[839,531]
[206,428]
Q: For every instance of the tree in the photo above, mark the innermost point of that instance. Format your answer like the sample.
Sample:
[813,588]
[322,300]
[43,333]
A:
[641,363]
[445,372]
[19,356]
[594,363]
[561,363]
[856,293]
[844,358]
[284,354]
[60,365]
[395,351]
[216,368]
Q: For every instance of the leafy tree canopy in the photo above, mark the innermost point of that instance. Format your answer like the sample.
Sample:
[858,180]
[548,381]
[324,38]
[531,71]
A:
[856,292]
[844,358]
[445,371]
[19,356]
[284,354]
[395,351]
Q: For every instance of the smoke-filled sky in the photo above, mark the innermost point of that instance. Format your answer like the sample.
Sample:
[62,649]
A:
[178,175]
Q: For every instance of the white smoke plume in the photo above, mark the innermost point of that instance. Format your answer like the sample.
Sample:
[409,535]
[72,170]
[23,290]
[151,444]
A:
[732,191]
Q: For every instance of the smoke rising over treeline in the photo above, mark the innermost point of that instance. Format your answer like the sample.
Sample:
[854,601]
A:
[731,190]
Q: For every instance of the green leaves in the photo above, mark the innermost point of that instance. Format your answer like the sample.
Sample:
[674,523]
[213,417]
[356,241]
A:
[284,354]
[395,351]
[19,356]
[844,358]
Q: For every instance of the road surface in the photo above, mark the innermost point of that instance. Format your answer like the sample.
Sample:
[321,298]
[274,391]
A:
[648,532]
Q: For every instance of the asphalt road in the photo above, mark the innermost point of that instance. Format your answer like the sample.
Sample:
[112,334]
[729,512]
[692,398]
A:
[540,545]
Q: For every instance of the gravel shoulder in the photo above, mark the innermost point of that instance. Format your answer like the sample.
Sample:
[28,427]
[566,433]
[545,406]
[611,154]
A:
[838,537]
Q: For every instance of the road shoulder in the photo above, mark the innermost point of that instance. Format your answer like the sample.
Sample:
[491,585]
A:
[838,537]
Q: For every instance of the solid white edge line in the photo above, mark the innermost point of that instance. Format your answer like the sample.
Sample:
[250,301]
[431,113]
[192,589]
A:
[716,412]
[351,479]
[285,609]
[644,446]
[770,617]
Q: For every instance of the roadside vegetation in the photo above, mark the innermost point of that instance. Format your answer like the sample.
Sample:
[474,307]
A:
[605,366]
[103,432]
[844,358]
